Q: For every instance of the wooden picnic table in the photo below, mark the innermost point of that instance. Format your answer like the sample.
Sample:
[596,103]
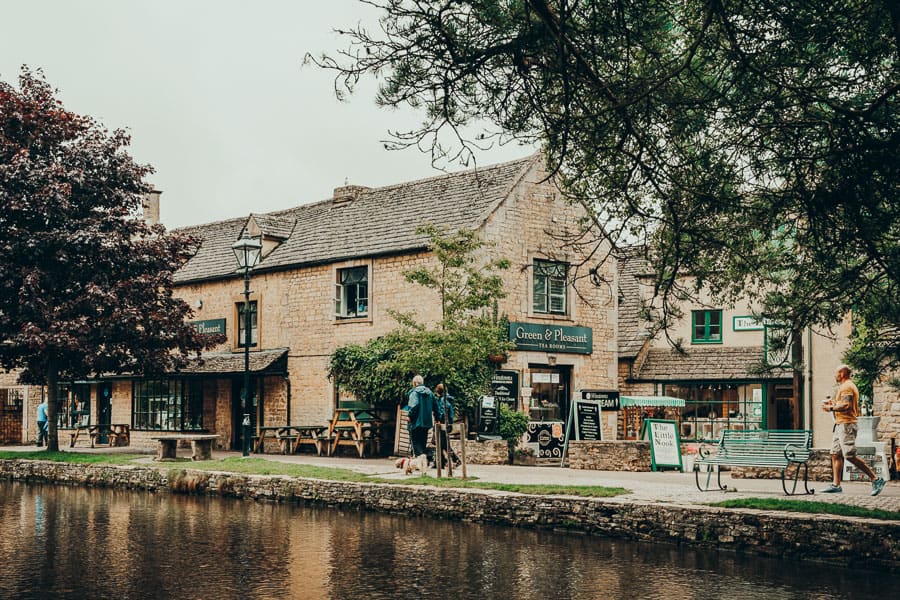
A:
[353,425]
[119,434]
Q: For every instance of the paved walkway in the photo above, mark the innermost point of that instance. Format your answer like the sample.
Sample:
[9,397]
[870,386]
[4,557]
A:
[669,486]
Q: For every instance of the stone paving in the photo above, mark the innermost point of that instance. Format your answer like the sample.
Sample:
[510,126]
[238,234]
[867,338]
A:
[667,487]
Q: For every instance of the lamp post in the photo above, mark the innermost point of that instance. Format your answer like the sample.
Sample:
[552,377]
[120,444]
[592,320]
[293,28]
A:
[246,250]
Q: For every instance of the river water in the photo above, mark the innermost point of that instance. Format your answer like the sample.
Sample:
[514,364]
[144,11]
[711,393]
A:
[72,542]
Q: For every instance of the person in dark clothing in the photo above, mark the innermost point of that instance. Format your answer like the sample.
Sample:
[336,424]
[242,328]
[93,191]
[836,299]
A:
[446,415]
[422,414]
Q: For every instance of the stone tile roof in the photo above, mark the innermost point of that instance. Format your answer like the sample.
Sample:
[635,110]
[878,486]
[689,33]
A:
[632,328]
[274,226]
[233,362]
[379,221]
[711,363]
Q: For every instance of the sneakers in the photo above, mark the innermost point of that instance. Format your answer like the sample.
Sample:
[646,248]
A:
[877,486]
[836,489]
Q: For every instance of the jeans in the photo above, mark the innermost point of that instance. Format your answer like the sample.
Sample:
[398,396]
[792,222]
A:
[42,433]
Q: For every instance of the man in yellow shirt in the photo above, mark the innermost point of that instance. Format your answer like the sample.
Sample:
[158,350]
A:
[843,440]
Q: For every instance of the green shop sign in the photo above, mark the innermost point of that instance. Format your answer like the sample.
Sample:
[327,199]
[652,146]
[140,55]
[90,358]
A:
[551,338]
[210,326]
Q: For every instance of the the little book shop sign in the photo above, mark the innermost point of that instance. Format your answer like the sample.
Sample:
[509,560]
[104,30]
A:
[551,338]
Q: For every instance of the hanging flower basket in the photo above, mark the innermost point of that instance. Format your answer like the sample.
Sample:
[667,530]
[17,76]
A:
[497,358]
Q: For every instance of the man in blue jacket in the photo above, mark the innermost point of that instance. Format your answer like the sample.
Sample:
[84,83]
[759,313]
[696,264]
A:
[42,423]
[422,414]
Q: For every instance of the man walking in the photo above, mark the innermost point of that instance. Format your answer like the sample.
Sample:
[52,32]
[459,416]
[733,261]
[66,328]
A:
[422,413]
[843,440]
[42,423]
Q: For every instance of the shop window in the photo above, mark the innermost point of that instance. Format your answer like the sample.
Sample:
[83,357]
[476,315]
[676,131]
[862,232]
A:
[711,408]
[706,326]
[351,293]
[73,406]
[242,324]
[167,405]
[549,287]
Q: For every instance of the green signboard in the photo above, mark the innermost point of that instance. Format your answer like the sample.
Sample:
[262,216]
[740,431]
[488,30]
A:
[551,338]
[211,326]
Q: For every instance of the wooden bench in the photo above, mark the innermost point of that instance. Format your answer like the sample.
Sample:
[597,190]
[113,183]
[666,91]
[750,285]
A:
[764,448]
[201,445]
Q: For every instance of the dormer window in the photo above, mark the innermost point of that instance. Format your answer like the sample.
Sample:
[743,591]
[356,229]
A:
[351,294]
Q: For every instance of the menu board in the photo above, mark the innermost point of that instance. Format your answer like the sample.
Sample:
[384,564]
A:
[587,420]
[488,415]
[505,386]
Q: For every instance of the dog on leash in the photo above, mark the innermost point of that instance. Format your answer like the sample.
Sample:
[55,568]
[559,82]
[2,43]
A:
[408,465]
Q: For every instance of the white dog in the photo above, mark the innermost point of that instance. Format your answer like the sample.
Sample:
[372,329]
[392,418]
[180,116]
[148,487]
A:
[419,463]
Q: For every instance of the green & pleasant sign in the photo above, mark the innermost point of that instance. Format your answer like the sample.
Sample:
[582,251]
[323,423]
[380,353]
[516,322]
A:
[551,338]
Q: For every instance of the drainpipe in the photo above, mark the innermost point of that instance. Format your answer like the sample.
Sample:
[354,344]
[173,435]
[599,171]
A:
[287,383]
[809,383]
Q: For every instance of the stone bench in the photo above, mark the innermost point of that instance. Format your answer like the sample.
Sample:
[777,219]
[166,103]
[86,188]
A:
[201,445]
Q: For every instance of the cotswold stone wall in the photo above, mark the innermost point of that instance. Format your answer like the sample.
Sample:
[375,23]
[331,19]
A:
[817,537]
[610,456]
[492,452]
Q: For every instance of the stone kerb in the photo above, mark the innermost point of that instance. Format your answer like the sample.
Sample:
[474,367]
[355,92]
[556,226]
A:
[818,537]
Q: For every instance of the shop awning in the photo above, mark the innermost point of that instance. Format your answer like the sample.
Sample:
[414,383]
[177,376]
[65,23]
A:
[631,401]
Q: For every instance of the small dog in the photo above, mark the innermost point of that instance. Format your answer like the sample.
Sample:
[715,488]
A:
[408,465]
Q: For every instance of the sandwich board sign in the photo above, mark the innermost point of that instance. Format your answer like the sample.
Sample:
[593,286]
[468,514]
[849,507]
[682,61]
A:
[665,444]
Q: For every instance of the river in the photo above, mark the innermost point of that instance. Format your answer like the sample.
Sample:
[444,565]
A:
[72,542]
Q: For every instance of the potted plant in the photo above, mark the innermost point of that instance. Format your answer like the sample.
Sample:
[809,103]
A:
[513,425]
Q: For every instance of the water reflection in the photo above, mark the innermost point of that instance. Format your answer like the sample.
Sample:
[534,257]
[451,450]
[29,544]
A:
[77,542]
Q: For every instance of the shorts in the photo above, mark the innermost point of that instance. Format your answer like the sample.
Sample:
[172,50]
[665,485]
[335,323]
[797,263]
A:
[843,440]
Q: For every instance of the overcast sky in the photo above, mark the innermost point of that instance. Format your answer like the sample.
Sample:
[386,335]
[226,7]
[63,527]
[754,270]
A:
[215,98]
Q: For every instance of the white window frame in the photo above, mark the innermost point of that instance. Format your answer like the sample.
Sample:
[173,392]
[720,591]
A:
[342,292]
[555,288]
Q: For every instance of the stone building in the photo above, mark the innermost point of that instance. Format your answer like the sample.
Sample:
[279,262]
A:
[329,275]
[729,374]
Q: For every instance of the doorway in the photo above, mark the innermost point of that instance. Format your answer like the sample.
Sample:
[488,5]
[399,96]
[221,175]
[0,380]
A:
[550,392]
[254,409]
[104,410]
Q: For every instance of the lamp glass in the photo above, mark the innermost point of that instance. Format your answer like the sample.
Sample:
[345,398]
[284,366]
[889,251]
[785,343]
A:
[246,251]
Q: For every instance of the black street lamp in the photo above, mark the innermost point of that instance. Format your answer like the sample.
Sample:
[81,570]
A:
[246,250]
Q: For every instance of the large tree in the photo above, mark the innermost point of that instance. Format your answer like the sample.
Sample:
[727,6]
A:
[85,283]
[750,143]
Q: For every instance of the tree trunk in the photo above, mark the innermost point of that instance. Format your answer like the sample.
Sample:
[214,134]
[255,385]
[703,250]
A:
[52,392]
[797,366]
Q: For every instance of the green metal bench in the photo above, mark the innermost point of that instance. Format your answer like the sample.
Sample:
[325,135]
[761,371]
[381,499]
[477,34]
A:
[767,448]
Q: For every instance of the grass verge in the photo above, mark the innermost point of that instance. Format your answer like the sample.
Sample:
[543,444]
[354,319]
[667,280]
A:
[73,457]
[261,466]
[804,506]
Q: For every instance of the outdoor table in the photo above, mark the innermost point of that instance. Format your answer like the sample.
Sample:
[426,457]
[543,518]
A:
[201,445]
[352,426]
[271,431]
[314,435]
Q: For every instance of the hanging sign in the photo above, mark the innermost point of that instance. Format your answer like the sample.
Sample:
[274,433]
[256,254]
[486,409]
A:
[665,445]
[608,399]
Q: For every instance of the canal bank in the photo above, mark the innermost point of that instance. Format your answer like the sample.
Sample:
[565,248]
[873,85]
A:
[824,538]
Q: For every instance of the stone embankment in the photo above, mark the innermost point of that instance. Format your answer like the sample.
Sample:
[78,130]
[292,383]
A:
[770,533]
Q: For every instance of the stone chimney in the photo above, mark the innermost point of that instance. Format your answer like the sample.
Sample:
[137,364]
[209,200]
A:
[348,193]
[151,207]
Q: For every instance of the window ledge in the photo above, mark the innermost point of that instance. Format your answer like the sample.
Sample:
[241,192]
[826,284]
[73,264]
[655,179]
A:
[551,316]
[343,320]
